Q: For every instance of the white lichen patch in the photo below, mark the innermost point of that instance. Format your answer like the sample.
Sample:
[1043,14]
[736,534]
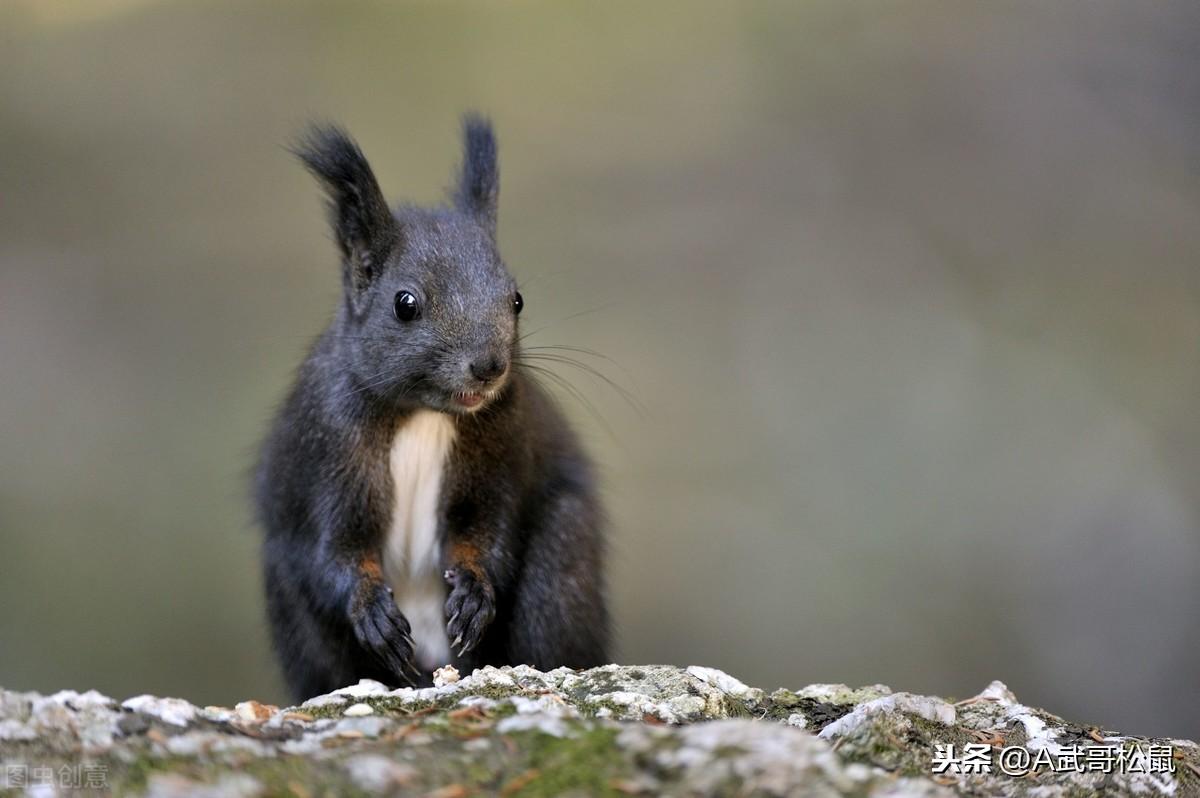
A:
[624,705]
[761,759]
[175,711]
[488,676]
[927,707]
[320,701]
[996,691]
[88,720]
[486,680]
[661,693]
[17,730]
[725,683]
[546,704]
[219,714]
[365,687]
[173,785]
[368,726]
[76,701]
[379,774]
[210,743]
[1038,734]
[842,694]
[545,724]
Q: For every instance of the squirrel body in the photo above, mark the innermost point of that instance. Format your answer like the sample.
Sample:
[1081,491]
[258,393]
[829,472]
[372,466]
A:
[424,500]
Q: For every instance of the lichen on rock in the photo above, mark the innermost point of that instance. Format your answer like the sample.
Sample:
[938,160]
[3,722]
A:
[613,730]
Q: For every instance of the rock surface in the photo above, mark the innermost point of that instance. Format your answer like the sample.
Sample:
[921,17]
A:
[615,730]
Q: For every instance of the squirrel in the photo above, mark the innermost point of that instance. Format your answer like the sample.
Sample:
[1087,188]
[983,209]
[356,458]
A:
[424,500]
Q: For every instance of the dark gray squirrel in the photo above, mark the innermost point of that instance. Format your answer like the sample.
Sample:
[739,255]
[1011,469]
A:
[424,500]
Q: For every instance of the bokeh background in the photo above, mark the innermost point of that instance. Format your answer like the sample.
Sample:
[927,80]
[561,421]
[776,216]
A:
[909,294]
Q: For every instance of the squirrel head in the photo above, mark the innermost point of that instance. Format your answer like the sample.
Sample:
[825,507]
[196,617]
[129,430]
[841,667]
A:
[430,310]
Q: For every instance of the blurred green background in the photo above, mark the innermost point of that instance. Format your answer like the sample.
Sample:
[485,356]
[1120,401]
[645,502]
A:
[910,292]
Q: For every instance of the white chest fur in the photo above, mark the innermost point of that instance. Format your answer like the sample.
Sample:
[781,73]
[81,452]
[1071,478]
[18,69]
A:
[411,553]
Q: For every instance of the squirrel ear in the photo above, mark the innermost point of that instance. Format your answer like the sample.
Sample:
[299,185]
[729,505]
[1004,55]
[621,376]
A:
[362,222]
[479,183]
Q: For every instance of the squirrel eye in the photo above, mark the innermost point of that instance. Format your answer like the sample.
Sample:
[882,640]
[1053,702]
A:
[518,303]
[406,307]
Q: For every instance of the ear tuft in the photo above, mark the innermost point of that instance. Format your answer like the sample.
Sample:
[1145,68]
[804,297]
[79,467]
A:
[479,183]
[361,220]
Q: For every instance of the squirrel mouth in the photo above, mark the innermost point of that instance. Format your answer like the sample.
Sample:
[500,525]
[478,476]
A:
[468,399]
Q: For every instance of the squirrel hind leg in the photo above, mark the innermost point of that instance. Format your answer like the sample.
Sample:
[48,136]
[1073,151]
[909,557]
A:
[312,664]
[559,612]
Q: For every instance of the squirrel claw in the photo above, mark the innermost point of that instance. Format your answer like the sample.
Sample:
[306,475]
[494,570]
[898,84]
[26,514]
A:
[471,606]
[383,631]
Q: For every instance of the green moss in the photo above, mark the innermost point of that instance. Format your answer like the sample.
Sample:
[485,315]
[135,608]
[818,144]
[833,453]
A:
[274,774]
[587,763]
[597,683]
[504,710]
[135,775]
[323,712]
[397,706]
[783,699]
[728,751]
[738,709]
[592,708]
[1187,769]
[902,743]
[781,704]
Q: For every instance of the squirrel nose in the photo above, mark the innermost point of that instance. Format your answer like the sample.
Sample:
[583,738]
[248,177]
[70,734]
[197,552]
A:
[488,368]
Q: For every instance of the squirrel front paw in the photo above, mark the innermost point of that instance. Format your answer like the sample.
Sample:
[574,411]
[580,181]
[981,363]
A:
[470,607]
[383,630]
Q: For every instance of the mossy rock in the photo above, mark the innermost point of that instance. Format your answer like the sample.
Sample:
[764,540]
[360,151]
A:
[614,730]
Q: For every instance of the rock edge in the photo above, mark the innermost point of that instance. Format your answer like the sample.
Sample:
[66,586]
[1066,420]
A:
[613,730]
